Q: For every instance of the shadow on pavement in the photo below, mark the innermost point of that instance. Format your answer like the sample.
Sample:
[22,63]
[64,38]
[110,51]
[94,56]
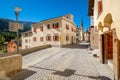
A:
[22,75]
[65,73]
[95,77]
[70,72]
[77,46]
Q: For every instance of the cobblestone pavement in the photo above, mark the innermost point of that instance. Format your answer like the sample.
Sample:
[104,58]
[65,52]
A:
[70,63]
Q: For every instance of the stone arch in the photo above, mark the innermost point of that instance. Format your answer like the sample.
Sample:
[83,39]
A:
[100,27]
[108,20]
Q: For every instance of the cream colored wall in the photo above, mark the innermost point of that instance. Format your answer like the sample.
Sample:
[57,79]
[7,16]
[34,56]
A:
[38,34]
[29,43]
[69,32]
[112,7]
[45,32]
[81,34]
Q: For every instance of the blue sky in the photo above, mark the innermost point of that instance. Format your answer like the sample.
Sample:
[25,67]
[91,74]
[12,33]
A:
[37,10]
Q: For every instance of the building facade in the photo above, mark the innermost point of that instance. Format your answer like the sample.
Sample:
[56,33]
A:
[27,39]
[87,36]
[80,32]
[12,46]
[58,31]
[107,21]
[92,28]
[81,36]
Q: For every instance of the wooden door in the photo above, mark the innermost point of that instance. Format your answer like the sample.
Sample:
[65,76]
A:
[102,51]
[109,45]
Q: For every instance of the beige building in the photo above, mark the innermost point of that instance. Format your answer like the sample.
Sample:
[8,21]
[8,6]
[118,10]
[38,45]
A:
[107,21]
[58,31]
[80,32]
[81,37]
[27,39]
[87,36]
[93,30]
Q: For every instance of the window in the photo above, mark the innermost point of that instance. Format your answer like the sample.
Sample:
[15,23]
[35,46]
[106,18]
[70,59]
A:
[26,46]
[26,41]
[34,39]
[41,28]
[48,38]
[72,28]
[34,30]
[99,7]
[76,34]
[56,38]
[55,25]
[41,38]
[67,27]
[48,26]
[67,38]
[14,46]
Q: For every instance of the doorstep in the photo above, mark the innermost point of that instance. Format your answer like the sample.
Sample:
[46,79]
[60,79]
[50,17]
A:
[110,63]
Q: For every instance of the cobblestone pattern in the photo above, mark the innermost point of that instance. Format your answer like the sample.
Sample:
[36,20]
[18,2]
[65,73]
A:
[70,63]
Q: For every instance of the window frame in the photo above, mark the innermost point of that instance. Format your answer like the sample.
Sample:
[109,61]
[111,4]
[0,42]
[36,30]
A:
[100,7]
[48,26]
[41,38]
[34,39]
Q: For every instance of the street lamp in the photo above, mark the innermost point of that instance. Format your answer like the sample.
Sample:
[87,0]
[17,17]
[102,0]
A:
[17,10]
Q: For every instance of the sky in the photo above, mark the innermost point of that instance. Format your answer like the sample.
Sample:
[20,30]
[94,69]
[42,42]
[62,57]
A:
[38,10]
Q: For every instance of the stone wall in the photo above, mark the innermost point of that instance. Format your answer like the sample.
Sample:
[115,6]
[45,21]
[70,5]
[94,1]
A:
[93,38]
[10,64]
[116,54]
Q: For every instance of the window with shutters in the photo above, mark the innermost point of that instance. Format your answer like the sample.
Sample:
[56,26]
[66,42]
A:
[67,38]
[56,38]
[48,26]
[41,38]
[48,38]
[34,30]
[41,28]
[55,25]
[26,41]
[99,7]
[34,39]
[67,26]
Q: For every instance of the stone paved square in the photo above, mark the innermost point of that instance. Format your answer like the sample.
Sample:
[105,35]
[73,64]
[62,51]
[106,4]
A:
[69,63]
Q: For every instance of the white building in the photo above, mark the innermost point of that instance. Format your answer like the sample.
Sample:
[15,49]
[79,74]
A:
[27,39]
[58,31]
